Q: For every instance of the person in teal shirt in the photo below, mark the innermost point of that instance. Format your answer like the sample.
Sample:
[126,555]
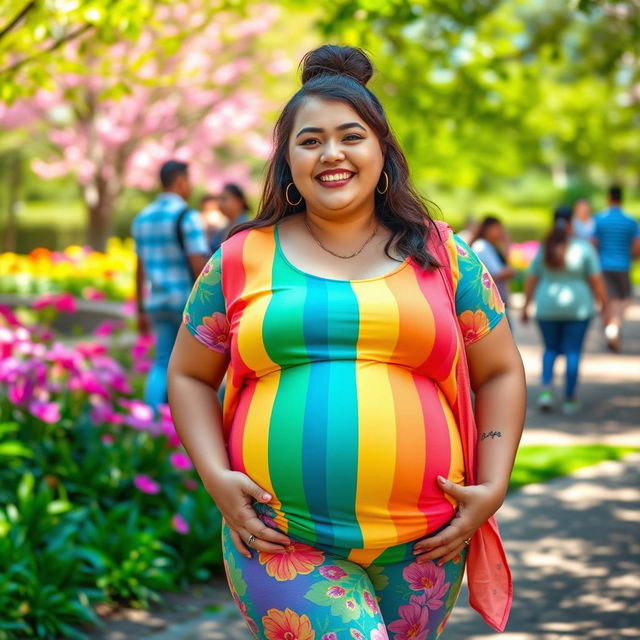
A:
[564,280]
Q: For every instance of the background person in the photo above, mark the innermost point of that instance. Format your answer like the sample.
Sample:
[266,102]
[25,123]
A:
[617,238]
[491,244]
[563,279]
[582,223]
[213,221]
[235,209]
[164,273]
[348,416]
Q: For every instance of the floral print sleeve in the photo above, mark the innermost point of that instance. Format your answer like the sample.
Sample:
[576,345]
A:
[478,304]
[205,312]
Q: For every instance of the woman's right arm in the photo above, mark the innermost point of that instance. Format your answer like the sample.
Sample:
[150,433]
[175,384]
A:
[530,285]
[194,376]
[596,282]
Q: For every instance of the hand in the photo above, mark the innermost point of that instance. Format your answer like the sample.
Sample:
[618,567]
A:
[144,326]
[234,494]
[476,504]
[606,316]
[524,318]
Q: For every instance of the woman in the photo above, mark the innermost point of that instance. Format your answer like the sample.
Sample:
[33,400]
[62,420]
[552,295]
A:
[583,224]
[564,278]
[235,209]
[346,317]
[490,243]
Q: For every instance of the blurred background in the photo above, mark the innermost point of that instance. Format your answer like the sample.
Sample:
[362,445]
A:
[504,107]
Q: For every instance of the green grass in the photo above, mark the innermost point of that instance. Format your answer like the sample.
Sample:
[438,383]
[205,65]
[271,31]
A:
[63,214]
[539,463]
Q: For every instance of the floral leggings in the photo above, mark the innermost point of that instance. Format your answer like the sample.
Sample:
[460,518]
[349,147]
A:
[309,594]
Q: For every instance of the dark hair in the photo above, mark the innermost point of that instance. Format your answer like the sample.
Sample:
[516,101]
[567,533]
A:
[237,192]
[555,243]
[340,74]
[481,232]
[615,193]
[171,170]
[208,197]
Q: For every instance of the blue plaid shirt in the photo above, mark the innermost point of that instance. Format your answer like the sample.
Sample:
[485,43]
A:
[166,269]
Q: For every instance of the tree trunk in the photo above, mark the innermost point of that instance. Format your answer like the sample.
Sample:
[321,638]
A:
[99,198]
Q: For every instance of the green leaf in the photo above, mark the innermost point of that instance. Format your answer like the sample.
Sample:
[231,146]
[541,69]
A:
[14,448]
[59,506]
[25,488]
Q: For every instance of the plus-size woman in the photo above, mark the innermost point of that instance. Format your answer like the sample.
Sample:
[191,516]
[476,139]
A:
[354,480]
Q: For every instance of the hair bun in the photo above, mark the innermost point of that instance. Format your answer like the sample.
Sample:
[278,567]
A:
[333,59]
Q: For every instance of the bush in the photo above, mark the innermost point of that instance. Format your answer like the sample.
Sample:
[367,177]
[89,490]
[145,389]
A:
[98,502]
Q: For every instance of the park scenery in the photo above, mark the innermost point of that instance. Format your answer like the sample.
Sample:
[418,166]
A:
[507,109]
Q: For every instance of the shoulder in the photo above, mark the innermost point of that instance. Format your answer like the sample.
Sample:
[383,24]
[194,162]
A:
[255,242]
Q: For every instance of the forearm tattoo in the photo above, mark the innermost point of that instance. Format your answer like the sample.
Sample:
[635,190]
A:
[490,434]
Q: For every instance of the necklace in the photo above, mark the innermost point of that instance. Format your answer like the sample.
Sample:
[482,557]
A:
[333,253]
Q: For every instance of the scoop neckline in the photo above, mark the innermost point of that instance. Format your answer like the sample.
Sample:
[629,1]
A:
[283,256]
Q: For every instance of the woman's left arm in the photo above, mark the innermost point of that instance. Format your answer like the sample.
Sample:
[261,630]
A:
[498,382]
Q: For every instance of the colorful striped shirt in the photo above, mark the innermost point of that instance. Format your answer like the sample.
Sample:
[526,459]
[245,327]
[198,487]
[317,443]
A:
[339,392]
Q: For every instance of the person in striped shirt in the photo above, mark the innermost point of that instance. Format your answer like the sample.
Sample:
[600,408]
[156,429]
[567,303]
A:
[617,238]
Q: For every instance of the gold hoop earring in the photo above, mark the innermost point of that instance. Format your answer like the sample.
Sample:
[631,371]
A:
[286,196]
[386,184]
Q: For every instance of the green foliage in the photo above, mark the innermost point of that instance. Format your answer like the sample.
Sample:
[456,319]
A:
[482,91]
[539,463]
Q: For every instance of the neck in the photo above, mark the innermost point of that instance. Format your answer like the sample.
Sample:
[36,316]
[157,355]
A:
[342,226]
[174,192]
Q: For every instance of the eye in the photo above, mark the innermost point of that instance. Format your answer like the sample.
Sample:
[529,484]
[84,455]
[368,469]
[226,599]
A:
[351,137]
[308,142]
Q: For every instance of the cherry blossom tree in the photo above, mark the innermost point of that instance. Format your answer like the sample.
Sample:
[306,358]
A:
[191,89]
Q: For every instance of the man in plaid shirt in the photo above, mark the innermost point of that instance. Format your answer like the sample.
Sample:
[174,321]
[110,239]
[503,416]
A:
[165,270]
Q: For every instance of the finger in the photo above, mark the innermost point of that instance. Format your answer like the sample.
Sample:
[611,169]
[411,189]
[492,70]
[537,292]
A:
[458,491]
[446,536]
[256,492]
[238,543]
[259,529]
[451,555]
[443,550]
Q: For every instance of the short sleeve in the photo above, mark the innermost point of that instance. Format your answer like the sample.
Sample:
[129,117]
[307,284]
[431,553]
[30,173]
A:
[479,306]
[592,263]
[195,241]
[205,312]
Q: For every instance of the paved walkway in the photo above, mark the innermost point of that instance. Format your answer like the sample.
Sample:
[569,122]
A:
[573,543]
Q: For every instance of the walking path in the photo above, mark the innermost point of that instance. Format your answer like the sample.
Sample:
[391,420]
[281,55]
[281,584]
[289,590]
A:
[573,543]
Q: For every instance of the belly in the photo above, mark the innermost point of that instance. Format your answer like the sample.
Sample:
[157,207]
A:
[350,451]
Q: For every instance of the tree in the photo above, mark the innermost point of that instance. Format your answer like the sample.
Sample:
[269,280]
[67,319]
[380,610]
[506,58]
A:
[481,91]
[191,91]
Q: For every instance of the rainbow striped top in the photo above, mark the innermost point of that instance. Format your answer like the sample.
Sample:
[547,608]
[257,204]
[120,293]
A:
[339,392]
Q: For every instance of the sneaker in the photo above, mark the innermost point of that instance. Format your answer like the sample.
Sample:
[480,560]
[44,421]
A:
[545,400]
[570,407]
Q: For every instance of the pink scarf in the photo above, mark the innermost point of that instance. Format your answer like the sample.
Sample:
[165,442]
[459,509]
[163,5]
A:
[488,574]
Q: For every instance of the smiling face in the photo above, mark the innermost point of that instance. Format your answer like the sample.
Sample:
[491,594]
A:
[335,158]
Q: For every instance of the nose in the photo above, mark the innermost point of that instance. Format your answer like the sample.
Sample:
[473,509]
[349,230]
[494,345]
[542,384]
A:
[332,152]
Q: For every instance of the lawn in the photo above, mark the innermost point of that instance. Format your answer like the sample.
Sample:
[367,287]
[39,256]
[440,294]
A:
[539,463]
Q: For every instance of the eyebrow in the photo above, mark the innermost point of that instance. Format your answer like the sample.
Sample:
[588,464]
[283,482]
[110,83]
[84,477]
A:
[341,127]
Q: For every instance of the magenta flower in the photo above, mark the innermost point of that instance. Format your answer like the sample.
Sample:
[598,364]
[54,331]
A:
[190,484]
[146,484]
[107,328]
[336,592]
[128,309]
[91,293]
[180,461]
[46,411]
[356,635]
[371,602]
[107,438]
[214,332]
[413,622]
[429,578]
[332,572]
[180,524]
[329,636]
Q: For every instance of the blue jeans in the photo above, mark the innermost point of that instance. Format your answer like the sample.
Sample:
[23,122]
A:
[165,325]
[562,337]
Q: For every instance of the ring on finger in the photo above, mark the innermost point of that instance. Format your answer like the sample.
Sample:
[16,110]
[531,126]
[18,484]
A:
[467,542]
[250,540]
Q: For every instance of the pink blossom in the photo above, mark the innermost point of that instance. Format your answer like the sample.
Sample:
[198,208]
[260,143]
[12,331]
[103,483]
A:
[107,328]
[180,461]
[214,332]
[190,484]
[46,411]
[356,635]
[332,572]
[129,309]
[413,622]
[329,636]
[429,578]
[336,592]
[8,315]
[145,484]
[107,438]
[180,524]
[90,293]
[379,633]
[371,602]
